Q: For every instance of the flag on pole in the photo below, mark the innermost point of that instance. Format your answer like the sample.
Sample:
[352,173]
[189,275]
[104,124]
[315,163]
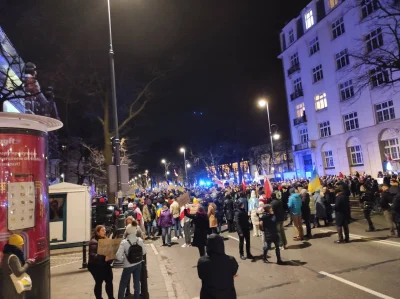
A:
[267,187]
[175,173]
[315,183]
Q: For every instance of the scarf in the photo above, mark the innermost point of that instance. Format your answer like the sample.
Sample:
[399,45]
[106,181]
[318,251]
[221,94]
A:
[16,251]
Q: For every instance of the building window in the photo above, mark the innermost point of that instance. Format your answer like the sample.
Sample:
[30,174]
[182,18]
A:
[338,28]
[294,59]
[300,110]
[346,90]
[297,85]
[320,101]
[377,77]
[303,135]
[342,59]
[308,17]
[351,121]
[392,149]
[385,111]
[368,7]
[356,155]
[328,157]
[317,73]
[324,129]
[333,3]
[374,39]
[314,46]
[291,36]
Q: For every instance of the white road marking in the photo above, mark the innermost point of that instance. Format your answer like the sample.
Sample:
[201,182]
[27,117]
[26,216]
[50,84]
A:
[371,239]
[56,266]
[354,285]
[154,249]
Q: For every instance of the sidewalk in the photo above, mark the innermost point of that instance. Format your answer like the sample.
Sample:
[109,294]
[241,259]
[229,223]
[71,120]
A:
[68,281]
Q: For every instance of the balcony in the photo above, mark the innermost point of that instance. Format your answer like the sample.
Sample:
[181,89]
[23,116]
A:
[303,146]
[296,94]
[300,120]
[294,68]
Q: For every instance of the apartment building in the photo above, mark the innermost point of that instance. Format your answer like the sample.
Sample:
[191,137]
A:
[337,123]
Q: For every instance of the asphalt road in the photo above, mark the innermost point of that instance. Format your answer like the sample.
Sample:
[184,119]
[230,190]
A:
[366,268]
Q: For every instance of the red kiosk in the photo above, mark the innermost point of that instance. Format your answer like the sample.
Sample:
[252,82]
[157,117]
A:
[24,204]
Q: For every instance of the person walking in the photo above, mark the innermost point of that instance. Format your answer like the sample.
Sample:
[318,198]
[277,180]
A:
[13,262]
[165,221]
[268,225]
[219,213]
[217,271]
[211,217]
[367,203]
[150,218]
[229,212]
[201,227]
[385,201]
[279,212]
[342,214]
[241,220]
[294,205]
[130,252]
[99,265]
[320,208]
[175,211]
[306,211]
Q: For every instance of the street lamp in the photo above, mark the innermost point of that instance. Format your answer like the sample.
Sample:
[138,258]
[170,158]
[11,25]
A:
[163,161]
[167,172]
[182,150]
[188,165]
[263,103]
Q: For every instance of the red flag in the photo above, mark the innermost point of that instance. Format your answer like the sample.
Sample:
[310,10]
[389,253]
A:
[267,187]
[244,185]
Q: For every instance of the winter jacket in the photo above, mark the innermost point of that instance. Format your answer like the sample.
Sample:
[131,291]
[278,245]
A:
[241,220]
[11,264]
[245,202]
[165,219]
[342,208]
[149,213]
[211,215]
[386,198]
[219,204]
[253,203]
[394,188]
[201,227]
[175,210]
[217,271]
[396,208]
[94,258]
[124,249]
[269,225]
[229,209]
[320,207]
[305,205]
[279,212]
[285,198]
[295,204]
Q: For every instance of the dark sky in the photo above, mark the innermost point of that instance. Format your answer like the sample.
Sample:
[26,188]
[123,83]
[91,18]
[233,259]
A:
[229,51]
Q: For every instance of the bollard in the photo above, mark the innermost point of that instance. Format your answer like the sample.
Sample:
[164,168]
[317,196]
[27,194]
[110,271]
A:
[84,256]
[144,290]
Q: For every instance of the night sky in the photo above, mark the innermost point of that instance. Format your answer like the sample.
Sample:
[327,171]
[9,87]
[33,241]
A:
[227,52]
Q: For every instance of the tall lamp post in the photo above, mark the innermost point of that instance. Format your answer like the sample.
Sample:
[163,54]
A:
[263,103]
[163,161]
[117,142]
[182,150]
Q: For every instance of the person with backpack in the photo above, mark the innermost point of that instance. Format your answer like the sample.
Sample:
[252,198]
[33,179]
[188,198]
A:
[131,252]
[130,212]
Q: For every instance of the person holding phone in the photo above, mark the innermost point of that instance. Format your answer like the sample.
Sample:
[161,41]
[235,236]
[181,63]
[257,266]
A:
[99,265]
[13,262]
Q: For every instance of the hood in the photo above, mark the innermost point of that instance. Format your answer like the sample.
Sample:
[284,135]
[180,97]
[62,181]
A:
[215,245]
[296,196]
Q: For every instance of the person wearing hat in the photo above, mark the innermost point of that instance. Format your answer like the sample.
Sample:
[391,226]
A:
[13,262]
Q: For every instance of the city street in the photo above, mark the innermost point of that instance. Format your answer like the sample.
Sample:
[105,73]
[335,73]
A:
[318,268]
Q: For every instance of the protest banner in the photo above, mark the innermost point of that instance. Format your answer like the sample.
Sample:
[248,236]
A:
[108,247]
[183,199]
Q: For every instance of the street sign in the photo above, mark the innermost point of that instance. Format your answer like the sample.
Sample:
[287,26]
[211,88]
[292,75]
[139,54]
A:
[112,178]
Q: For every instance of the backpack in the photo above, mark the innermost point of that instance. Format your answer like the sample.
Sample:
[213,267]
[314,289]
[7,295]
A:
[135,253]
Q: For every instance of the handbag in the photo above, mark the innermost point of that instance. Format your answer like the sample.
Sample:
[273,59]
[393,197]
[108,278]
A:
[22,283]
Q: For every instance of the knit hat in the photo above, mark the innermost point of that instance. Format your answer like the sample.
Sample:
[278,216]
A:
[16,240]
[131,230]
[130,205]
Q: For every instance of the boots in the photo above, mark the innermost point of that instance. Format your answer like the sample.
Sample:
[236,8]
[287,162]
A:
[278,257]
[265,257]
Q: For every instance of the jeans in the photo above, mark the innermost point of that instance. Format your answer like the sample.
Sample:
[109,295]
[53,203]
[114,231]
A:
[345,228]
[177,227]
[166,231]
[298,226]
[135,271]
[367,215]
[267,246]
[102,273]
[281,233]
[149,228]
[186,230]
[389,219]
[245,236]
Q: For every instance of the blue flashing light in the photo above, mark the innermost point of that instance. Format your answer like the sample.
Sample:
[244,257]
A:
[194,113]
[208,183]
[201,183]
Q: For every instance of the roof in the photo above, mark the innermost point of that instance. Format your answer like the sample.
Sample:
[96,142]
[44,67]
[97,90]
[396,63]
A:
[67,187]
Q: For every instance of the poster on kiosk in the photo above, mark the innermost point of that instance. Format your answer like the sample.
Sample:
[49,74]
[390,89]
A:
[24,205]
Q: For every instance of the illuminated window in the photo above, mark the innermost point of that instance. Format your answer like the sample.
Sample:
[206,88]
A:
[320,101]
[299,110]
[308,17]
[333,3]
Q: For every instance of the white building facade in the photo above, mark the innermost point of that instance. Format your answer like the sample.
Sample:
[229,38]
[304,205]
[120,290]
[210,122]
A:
[336,126]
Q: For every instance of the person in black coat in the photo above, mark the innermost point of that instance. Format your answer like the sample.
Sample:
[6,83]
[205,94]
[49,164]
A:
[306,211]
[217,271]
[279,213]
[229,212]
[243,199]
[367,203]
[385,201]
[219,213]
[342,208]
[268,225]
[201,227]
[396,212]
[241,220]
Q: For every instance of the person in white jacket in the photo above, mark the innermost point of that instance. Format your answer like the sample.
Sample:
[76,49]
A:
[130,269]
